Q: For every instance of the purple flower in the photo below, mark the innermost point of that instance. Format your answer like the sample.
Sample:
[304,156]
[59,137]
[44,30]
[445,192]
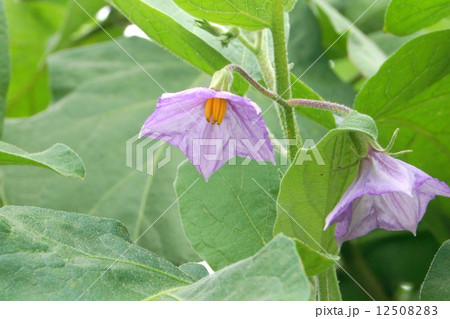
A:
[387,193]
[210,127]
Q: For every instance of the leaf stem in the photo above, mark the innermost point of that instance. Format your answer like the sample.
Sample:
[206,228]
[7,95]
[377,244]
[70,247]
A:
[282,76]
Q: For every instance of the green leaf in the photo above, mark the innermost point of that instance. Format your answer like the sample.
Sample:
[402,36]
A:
[312,186]
[314,261]
[194,270]
[103,99]
[166,31]
[54,255]
[241,14]
[371,21]
[273,273]
[38,28]
[360,49]
[252,16]
[31,25]
[4,64]
[229,217]
[59,158]
[436,285]
[408,16]
[410,92]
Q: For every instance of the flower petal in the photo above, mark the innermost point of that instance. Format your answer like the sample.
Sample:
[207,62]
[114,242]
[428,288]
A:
[235,136]
[179,120]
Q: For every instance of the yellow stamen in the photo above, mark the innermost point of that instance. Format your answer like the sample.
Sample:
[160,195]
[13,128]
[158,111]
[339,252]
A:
[209,109]
[215,109]
[222,111]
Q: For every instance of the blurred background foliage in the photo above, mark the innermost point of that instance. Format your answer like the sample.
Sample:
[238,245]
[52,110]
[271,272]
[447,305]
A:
[62,58]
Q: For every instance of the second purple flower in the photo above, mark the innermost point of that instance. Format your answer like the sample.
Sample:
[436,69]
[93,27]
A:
[387,193]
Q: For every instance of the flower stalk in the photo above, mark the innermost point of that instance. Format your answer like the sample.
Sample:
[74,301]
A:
[323,105]
[291,103]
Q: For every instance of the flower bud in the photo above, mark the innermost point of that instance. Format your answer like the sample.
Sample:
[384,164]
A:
[222,80]
[216,31]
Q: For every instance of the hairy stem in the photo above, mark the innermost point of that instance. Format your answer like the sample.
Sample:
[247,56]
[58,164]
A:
[323,105]
[282,75]
[292,103]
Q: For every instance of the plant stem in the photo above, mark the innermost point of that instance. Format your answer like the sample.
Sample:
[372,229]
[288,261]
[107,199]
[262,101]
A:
[282,75]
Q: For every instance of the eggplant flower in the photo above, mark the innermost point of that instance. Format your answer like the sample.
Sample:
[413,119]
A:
[210,127]
[387,193]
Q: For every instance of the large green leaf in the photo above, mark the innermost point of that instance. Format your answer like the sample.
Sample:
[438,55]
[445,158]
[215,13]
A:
[58,158]
[38,28]
[31,25]
[408,16]
[228,218]
[4,63]
[255,15]
[411,92]
[436,285]
[54,255]
[274,273]
[360,49]
[315,181]
[103,99]
[309,191]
